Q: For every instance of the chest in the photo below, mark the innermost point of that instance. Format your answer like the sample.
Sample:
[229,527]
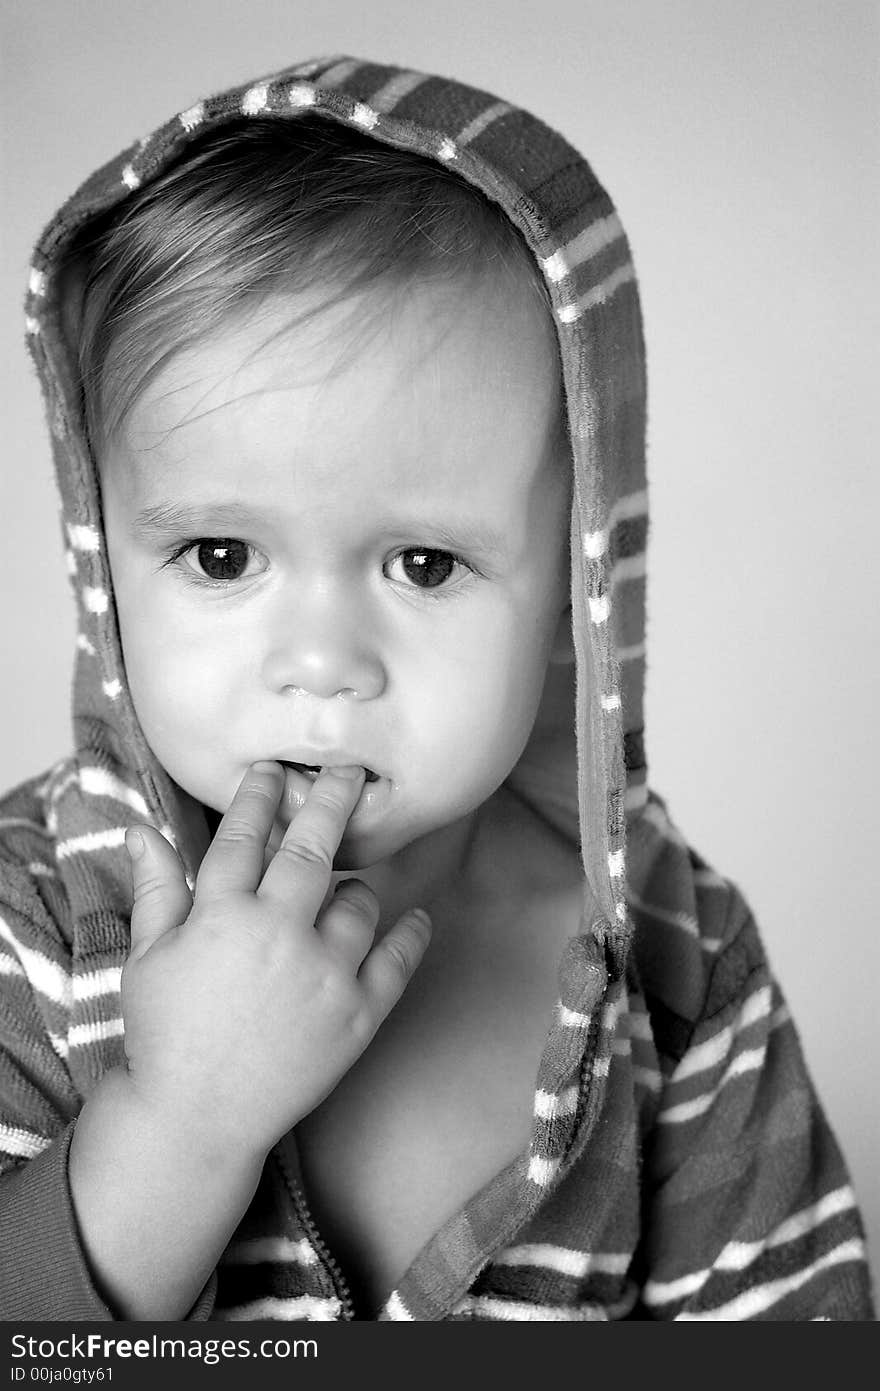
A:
[439,1103]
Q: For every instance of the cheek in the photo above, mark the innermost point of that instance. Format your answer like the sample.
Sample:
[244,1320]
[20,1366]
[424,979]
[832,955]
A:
[176,683]
[478,694]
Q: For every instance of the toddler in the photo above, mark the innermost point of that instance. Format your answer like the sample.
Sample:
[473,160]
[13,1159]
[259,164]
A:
[351,970]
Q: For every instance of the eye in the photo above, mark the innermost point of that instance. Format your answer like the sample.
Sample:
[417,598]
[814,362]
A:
[425,569]
[219,559]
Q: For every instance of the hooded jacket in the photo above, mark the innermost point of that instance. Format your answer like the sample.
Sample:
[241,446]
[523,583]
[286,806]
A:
[680,1165]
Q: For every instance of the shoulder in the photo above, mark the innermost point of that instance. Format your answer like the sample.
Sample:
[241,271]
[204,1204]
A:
[32,896]
[697,951]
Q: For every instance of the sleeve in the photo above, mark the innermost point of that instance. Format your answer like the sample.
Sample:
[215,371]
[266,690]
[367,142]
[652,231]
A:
[749,1209]
[44,1273]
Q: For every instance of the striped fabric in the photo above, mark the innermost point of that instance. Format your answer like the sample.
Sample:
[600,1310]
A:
[680,1165]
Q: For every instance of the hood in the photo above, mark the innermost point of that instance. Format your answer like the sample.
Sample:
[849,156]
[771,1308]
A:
[586,768]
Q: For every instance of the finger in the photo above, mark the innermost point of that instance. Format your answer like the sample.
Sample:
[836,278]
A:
[162,899]
[234,859]
[391,964]
[348,923]
[299,874]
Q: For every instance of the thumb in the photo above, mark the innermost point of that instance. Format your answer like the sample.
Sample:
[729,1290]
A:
[162,899]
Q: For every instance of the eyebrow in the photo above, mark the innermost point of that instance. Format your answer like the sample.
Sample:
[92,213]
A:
[166,519]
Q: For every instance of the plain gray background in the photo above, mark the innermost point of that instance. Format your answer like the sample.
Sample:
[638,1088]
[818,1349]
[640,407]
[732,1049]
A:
[740,143]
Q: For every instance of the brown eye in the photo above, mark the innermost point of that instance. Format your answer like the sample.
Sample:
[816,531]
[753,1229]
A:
[222,558]
[427,569]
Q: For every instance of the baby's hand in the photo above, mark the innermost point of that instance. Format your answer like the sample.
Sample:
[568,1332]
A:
[244,1006]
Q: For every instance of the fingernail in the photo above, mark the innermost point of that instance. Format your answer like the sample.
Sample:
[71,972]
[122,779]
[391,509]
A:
[134,844]
[419,916]
[348,771]
[264,766]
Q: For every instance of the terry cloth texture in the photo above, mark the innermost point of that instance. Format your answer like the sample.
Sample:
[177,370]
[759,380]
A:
[680,1166]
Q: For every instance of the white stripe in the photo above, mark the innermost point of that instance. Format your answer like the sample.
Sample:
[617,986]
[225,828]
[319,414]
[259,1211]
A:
[31,324]
[396,1309]
[70,562]
[583,247]
[42,871]
[37,281]
[480,123]
[446,150]
[595,544]
[634,653]
[301,94]
[340,72]
[756,1301]
[600,294]
[277,1249]
[395,90]
[112,689]
[130,178]
[304,1306]
[95,600]
[91,984]
[193,116]
[749,1061]
[616,864]
[83,1035]
[84,644]
[22,1143]
[629,567]
[59,1044]
[709,1054]
[739,1255]
[549,1105]
[11,966]
[254,99]
[541,1170]
[44,975]
[647,1077]
[309,68]
[83,538]
[600,609]
[564,1260]
[364,116]
[611,702]
[708,879]
[638,1025]
[672,917]
[628,507]
[519,1311]
[98,782]
[22,823]
[94,840]
[571,1019]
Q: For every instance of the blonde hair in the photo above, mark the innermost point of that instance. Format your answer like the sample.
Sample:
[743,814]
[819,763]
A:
[262,207]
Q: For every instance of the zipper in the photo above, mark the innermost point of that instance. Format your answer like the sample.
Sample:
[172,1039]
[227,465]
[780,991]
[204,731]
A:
[298,1198]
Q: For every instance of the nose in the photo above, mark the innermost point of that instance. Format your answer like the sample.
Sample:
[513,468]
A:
[324,645]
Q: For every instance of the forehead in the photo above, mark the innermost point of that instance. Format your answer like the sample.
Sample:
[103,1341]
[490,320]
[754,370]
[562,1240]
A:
[436,394]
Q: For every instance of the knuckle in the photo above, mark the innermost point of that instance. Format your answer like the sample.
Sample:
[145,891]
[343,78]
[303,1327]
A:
[360,1025]
[235,831]
[329,801]
[306,852]
[398,956]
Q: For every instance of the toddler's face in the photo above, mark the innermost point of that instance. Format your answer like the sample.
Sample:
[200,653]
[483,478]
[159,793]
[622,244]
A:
[347,544]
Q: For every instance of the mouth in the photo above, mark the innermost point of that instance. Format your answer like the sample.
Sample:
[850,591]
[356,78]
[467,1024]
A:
[311,770]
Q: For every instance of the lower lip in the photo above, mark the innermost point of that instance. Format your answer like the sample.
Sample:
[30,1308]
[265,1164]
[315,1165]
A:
[297,786]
